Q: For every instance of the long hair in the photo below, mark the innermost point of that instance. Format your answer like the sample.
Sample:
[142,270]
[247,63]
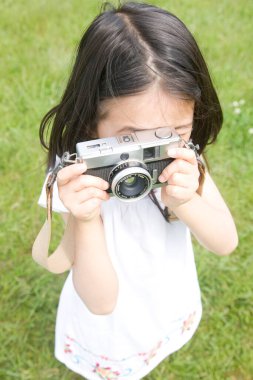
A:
[123,52]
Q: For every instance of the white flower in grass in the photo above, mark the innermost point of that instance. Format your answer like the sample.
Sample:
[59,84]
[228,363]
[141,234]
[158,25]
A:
[237,111]
[251,131]
[237,104]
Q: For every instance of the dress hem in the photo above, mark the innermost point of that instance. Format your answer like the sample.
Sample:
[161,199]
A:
[141,373]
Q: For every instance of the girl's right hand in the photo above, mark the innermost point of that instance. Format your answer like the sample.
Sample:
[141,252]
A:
[81,194]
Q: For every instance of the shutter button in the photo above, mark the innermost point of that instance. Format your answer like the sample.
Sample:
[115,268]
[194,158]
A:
[163,133]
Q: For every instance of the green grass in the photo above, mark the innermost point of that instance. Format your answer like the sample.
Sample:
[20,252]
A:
[38,40]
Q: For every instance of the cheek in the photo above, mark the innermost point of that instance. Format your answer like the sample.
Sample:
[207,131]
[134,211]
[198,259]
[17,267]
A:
[103,131]
[186,136]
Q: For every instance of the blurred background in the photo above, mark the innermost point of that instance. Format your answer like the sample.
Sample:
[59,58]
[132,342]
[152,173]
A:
[38,40]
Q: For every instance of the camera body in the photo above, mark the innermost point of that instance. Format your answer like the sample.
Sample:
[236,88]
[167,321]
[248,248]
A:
[131,163]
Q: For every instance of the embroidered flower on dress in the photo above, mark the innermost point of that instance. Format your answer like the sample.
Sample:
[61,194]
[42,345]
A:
[104,357]
[106,373]
[67,348]
[188,323]
[152,353]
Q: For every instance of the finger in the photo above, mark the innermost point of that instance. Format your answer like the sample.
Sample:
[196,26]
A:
[183,154]
[69,172]
[73,201]
[178,192]
[184,180]
[89,193]
[178,166]
[86,209]
[85,181]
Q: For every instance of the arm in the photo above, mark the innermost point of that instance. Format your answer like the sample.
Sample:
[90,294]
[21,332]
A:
[94,277]
[207,216]
[209,219]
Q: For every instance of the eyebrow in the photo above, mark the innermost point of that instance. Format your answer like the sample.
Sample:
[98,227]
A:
[131,128]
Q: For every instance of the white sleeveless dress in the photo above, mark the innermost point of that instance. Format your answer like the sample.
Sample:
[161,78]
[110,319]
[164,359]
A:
[159,303]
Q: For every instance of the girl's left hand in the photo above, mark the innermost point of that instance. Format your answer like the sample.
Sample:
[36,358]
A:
[182,177]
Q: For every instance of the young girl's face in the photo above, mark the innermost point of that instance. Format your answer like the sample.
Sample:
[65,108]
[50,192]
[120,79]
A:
[151,109]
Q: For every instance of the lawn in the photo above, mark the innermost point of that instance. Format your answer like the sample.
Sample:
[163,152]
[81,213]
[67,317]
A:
[38,41]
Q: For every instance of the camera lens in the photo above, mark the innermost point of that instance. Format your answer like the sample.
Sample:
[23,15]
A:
[130,181]
[132,186]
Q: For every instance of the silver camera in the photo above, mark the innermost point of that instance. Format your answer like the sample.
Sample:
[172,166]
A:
[131,163]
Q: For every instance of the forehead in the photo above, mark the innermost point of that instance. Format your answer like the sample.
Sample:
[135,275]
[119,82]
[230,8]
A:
[153,106]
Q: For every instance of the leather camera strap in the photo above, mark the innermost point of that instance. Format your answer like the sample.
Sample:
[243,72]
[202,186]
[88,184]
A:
[62,258]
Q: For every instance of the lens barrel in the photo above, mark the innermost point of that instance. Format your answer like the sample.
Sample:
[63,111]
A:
[130,180]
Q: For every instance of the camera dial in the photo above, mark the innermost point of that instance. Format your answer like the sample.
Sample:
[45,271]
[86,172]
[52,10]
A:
[163,133]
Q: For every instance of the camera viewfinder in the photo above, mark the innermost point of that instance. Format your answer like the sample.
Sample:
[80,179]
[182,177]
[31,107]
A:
[151,152]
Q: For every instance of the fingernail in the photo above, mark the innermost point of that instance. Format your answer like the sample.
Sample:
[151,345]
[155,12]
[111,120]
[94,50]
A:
[172,152]
[83,166]
[162,178]
[81,163]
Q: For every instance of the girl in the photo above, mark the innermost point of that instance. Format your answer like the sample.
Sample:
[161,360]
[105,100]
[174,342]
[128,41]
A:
[132,296]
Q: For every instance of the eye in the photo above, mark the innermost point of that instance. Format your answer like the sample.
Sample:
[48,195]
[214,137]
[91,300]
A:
[184,130]
[124,132]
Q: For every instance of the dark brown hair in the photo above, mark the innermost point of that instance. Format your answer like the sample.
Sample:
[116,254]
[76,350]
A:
[124,51]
